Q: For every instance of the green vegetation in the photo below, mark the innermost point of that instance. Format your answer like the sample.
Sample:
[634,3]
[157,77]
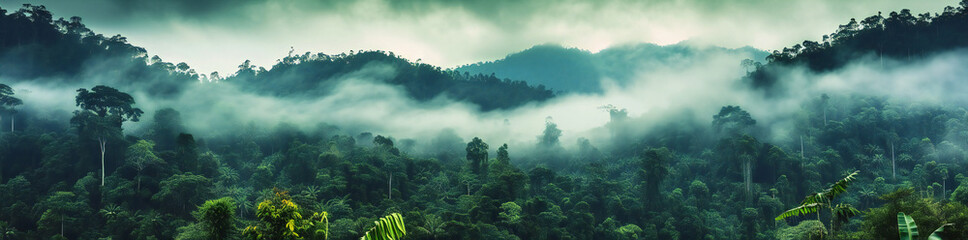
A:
[721,175]
[908,229]
[390,227]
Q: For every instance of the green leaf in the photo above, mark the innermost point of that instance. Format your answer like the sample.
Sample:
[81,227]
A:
[936,235]
[834,191]
[801,210]
[906,227]
[390,227]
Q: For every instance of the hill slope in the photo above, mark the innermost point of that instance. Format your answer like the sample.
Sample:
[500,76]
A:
[576,70]
[901,36]
[35,47]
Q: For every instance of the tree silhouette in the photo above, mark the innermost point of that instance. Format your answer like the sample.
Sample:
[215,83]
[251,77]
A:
[103,110]
[8,101]
[477,154]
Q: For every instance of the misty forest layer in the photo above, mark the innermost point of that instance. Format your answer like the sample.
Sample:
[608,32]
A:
[145,149]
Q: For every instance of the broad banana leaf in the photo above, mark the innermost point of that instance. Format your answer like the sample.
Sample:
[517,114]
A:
[801,210]
[388,228]
[936,235]
[829,194]
[906,227]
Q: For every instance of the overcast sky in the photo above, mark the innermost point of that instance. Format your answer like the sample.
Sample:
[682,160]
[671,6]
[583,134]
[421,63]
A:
[219,35]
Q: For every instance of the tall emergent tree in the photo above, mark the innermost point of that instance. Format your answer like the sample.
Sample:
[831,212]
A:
[141,156]
[477,154]
[655,168]
[8,101]
[103,109]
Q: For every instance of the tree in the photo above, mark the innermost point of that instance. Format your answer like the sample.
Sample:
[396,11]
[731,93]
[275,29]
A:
[477,154]
[655,167]
[502,155]
[141,156]
[182,190]
[8,102]
[103,110]
[279,218]
[166,126]
[217,218]
[549,138]
[105,101]
[62,210]
[732,120]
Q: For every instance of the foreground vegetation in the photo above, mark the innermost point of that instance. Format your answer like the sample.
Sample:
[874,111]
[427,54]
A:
[860,160]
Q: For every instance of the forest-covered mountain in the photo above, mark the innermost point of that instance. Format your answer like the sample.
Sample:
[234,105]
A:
[38,48]
[576,70]
[311,75]
[899,35]
[820,165]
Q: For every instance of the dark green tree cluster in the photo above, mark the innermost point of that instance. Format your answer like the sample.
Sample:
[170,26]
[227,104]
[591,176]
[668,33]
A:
[309,75]
[900,35]
[33,44]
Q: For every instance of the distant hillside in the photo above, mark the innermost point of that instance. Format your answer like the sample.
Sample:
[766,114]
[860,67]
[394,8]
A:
[35,47]
[310,75]
[576,70]
[900,35]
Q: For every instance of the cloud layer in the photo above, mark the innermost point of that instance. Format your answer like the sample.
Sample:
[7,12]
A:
[220,34]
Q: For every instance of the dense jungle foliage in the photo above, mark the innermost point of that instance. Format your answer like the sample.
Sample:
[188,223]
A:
[859,160]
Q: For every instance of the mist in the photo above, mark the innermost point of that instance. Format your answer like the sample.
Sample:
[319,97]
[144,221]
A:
[217,35]
[363,102]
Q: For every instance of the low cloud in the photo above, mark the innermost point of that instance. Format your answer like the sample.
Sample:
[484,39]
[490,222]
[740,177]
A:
[218,35]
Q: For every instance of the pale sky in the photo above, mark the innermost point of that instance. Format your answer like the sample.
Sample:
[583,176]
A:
[219,35]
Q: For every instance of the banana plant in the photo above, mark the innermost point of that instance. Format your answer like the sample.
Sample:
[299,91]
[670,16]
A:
[824,200]
[814,202]
[907,229]
[387,228]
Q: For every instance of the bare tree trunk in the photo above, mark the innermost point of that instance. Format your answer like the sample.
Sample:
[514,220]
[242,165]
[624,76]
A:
[390,188]
[801,146]
[825,115]
[11,123]
[893,164]
[102,142]
[748,177]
